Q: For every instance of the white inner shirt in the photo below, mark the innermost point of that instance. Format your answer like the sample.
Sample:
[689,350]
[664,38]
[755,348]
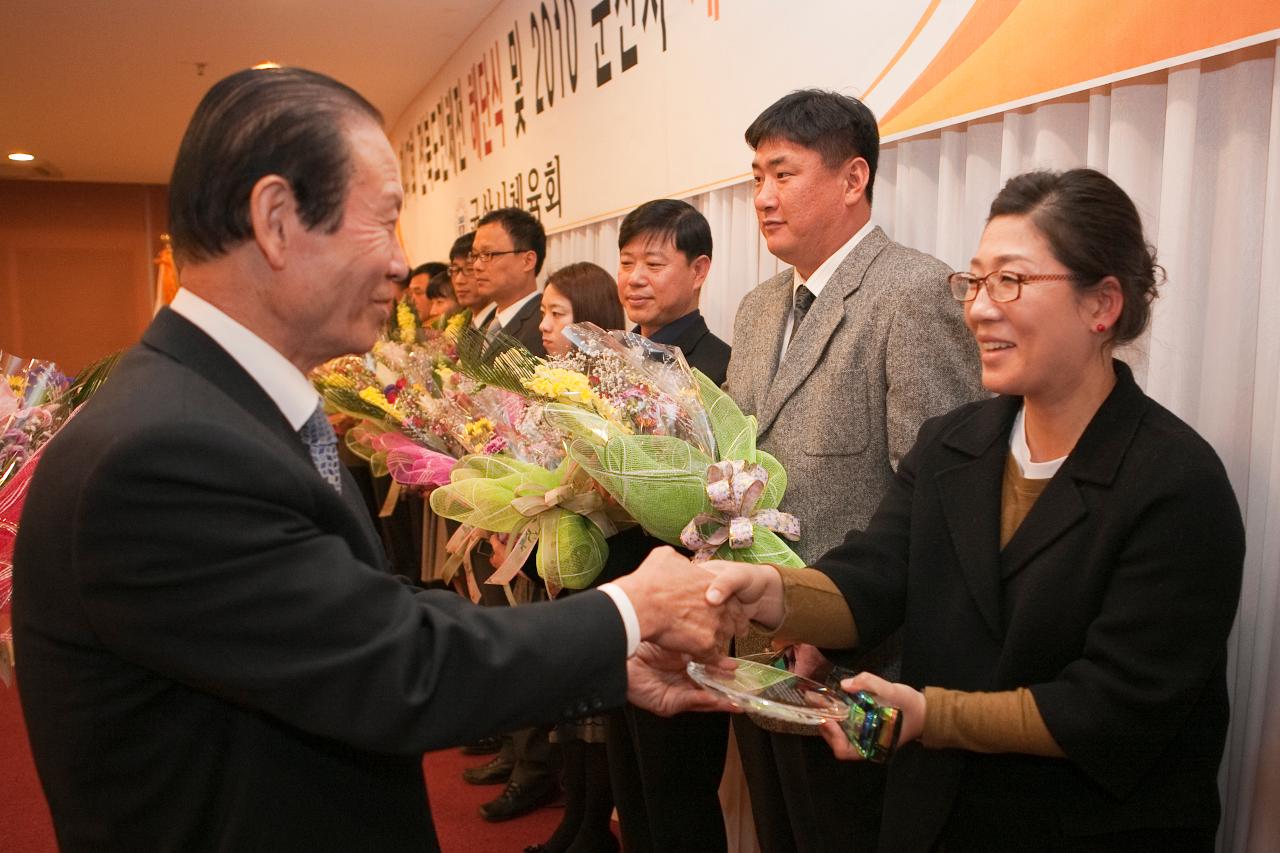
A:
[1022,453]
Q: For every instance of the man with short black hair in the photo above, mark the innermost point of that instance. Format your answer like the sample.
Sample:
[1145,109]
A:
[507,254]
[664,256]
[462,277]
[841,358]
[214,655]
[665,772]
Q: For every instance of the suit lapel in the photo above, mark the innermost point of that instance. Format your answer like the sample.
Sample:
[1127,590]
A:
[1095,459]
[530,310]
[970,494]
[182,340]
[767,343]
[179,338]
[690,337]
[809,343]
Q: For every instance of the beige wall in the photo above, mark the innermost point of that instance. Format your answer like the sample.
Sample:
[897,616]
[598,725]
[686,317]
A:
[76,272]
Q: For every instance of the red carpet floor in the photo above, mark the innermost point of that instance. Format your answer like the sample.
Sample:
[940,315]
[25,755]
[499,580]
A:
[25,826]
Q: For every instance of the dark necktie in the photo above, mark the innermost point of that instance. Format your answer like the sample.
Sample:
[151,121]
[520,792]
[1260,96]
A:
[803,299]
[318,435]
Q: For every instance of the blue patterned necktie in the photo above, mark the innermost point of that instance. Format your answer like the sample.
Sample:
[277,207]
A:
[318,435]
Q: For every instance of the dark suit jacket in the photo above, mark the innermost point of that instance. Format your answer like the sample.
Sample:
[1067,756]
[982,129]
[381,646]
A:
[1112,603]
[213,656]
[524,326]
[702,349]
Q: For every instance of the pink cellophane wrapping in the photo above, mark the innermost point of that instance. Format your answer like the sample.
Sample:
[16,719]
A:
[413,465]
[12,496]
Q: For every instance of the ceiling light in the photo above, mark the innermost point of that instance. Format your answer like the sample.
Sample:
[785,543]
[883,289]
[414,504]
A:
[22,157]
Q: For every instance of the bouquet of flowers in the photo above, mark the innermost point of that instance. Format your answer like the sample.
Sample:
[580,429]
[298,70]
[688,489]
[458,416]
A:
[702,483]
[671,450]
[30,410]
[35,401]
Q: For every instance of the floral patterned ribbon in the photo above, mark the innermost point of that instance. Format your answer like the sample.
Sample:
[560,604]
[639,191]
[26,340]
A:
[734,487]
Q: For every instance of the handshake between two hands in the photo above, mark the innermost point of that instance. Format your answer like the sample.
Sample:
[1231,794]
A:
[690,611]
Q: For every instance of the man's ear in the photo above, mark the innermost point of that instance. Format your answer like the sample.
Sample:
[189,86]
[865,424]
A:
[528,260]
[856,174]
[701,267]
[273,214]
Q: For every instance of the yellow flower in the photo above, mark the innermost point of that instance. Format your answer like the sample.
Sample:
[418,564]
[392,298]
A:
[557,383]
[408,327]
[454,327]
[336,380]
[478,432]
[17,384]
[378,400]
[567,386]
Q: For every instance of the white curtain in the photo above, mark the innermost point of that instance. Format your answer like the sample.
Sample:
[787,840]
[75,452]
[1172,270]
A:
[1198,149]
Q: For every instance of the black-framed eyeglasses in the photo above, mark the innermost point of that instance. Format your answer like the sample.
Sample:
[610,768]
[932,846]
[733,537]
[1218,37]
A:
[1002,285]
[485,257]
[456,270]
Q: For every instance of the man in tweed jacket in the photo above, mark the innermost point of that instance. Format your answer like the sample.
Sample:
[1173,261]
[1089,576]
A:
[840,358]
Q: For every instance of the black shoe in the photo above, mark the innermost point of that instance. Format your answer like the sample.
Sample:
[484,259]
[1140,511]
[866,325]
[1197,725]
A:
[496,771]
[517,799]
[484,746]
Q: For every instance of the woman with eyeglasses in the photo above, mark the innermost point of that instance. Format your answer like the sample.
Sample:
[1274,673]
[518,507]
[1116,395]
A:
[1065,560]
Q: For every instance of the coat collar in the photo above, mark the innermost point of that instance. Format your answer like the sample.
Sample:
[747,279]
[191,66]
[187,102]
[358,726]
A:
[826,315]
[971,488]
[691,334]
[184,342]
[178,338]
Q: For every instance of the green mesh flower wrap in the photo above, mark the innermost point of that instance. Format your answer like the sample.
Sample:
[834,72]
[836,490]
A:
[558,512]
[661,481]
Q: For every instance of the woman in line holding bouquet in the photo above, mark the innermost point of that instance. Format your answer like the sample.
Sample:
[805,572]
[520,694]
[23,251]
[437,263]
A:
[1065,559]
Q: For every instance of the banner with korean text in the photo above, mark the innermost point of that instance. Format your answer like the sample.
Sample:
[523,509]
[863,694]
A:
[579,110]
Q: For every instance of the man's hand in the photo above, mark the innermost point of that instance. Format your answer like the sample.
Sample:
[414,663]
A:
[657,682]
[756,588]
[669,593]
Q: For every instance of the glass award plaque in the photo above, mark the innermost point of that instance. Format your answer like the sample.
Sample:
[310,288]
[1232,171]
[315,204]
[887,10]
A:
[762,685]
[774,692]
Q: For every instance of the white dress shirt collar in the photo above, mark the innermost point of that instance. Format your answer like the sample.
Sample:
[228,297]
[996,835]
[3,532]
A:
[821,276]
[506,315]
[823,273]
[283,382]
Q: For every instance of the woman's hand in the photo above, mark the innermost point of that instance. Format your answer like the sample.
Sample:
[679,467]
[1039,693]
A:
[908,701]
[757,588]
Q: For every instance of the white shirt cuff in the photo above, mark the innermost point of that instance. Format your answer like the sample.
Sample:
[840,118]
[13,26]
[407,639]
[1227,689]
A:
[627,610]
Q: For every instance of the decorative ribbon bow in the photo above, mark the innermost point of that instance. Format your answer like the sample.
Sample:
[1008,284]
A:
[733,488]
[532,500]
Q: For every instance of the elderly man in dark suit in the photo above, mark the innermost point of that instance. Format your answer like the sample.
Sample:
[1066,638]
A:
[841,359]
[506,255]
[214,656]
